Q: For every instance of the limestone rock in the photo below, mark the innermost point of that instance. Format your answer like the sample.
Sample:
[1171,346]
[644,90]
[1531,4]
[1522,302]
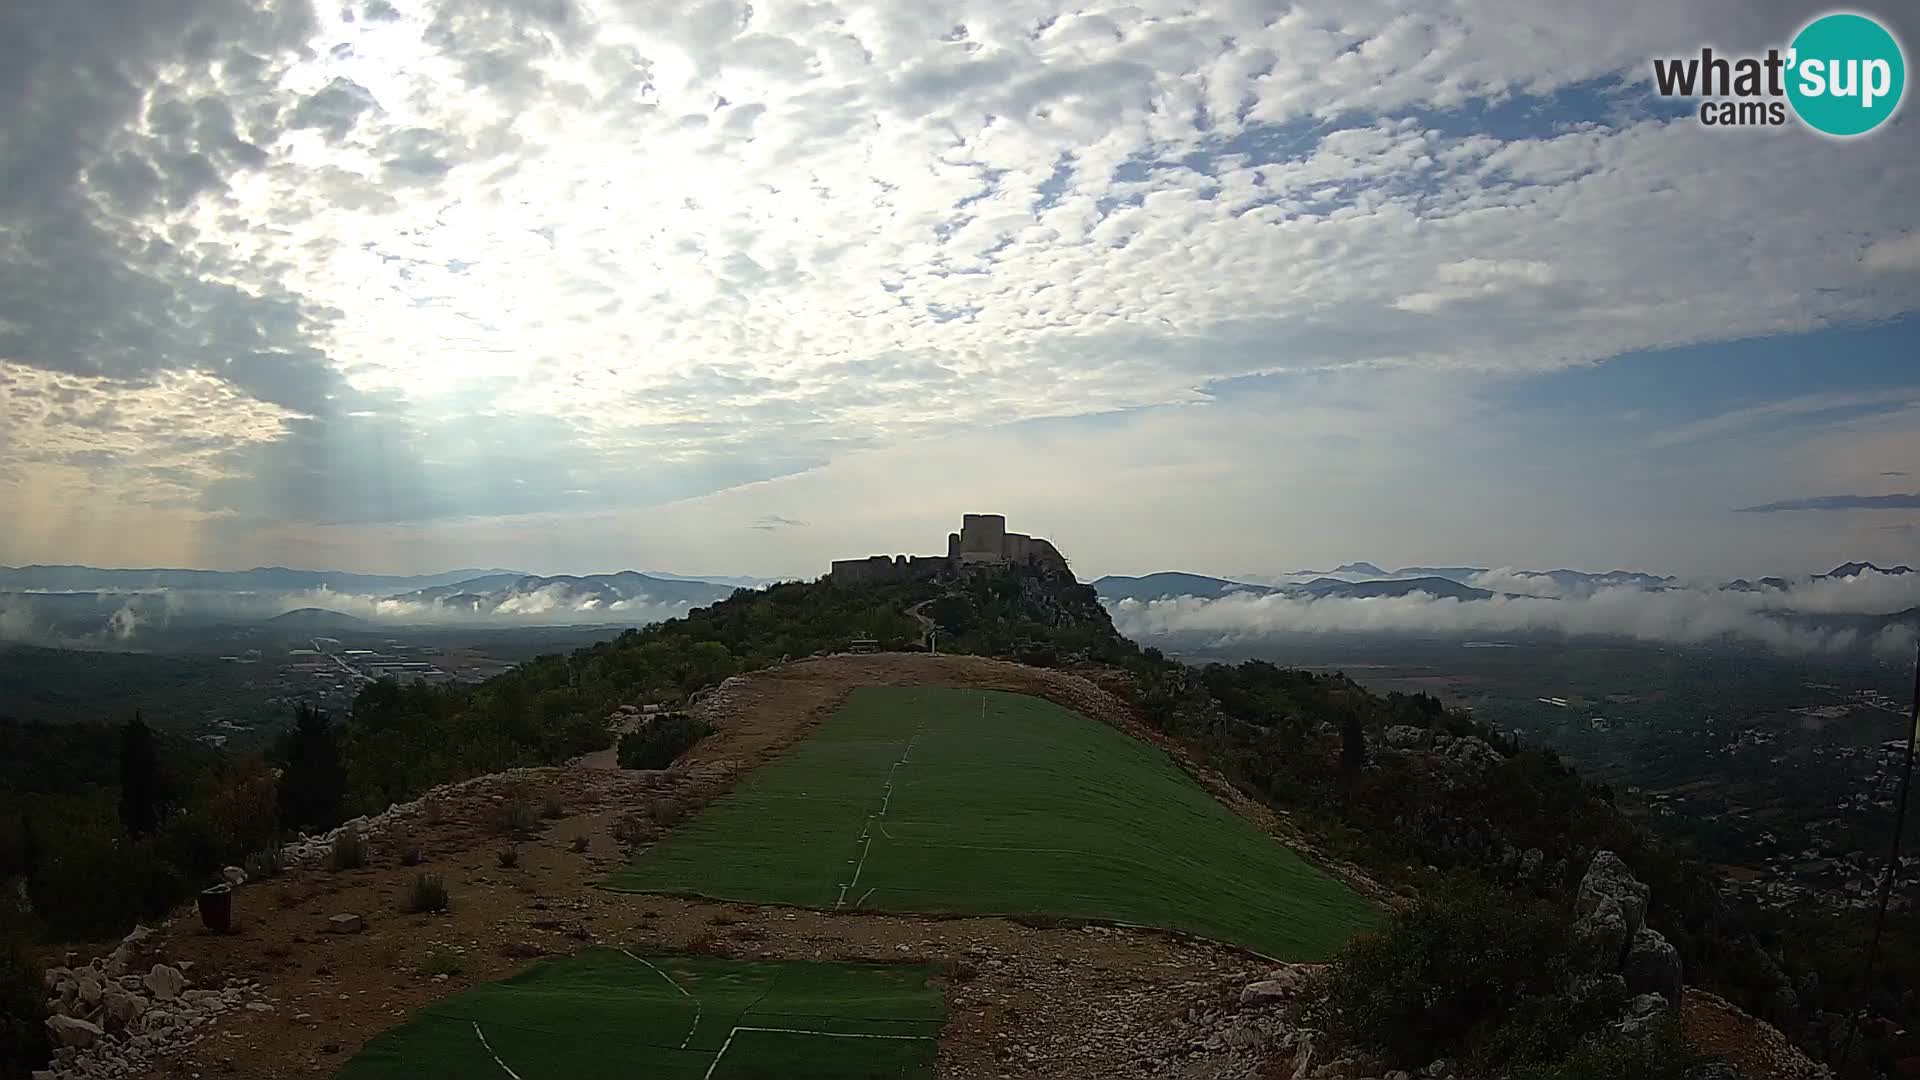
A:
[234,876]
[1265,992]
[1404,736]
[1606,877]
[1652,966]
[123,1009]
[1602,934]
[68,1031]
[165,982]
[346,923]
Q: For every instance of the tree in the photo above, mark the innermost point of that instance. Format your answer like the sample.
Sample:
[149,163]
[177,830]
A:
[315,782]
[142,798]
[1353,742]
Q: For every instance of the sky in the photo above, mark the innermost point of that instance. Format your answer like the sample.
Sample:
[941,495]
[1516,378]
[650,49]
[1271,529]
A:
[1232,288]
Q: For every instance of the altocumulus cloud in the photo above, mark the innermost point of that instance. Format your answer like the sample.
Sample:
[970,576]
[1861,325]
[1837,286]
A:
[717,243]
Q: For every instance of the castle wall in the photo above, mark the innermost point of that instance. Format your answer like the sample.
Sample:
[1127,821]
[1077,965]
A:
[983,539]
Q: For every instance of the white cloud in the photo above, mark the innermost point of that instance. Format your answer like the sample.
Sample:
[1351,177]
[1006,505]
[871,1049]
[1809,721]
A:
[1895,253]
[750,239]
[1683,617]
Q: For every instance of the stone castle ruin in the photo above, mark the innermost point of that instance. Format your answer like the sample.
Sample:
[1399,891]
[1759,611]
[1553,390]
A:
[983,542]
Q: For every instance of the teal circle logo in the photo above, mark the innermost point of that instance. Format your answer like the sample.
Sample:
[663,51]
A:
[1845,74]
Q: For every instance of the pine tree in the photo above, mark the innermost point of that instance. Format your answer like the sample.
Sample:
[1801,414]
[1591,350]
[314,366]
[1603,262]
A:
[1353,742]
[142,797]
[315,781]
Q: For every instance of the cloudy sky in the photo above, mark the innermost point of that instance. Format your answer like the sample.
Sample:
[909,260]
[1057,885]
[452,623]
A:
[1232,287]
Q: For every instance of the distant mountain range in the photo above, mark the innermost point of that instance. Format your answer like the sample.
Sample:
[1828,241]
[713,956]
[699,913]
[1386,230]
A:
[276,579]
[567,596]
[1457,582]
[1168,585]
[313,620]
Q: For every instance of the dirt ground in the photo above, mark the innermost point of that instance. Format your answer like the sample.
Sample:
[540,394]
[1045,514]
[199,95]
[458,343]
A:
[1025,1000]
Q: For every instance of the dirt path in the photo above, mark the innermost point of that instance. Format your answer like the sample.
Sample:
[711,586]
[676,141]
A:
[1025,1000]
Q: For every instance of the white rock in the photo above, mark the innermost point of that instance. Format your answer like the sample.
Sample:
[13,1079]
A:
[165,982]
[68,1031]
[234,876]
[123,1009]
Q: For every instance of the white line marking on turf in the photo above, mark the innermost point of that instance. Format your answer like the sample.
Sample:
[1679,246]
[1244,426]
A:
[800,1031]
[491,1054]
[863,897]
[866,830]
[683,992]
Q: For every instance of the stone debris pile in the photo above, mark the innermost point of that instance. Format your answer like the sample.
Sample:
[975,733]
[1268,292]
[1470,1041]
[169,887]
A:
[110,1018]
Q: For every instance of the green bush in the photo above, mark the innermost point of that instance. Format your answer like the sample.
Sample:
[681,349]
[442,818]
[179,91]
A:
[516,816]
[1662,1054]
[1445,976]
[439,962]
[23,1015]
[349,850]
[66,889]
[266,863]
[429,893]
[410,853]
[508,857]
[662,742]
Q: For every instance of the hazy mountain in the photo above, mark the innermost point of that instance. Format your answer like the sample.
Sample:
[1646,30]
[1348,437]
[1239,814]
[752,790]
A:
[1580,581]
[315,620]
[593,598]
[1169,584]
[1366,568]
[1855,569]
[1454,573]
[1432,586]
[730,580]
[278,579]
[1743,585]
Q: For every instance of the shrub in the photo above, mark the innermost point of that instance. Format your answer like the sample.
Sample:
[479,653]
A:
[349,850]
[551,806]
[958,970]
[516,816]
[23,1015]
[580,843]
[429,893]
[667,811]
[1662,1054]
[634,830]
[508,856]
[410,853]
[703,944]
[266,863]
[441,962]
[661,742]
[1444,975]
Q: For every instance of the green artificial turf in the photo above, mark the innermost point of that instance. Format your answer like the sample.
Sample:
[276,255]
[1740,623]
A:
[607,1014]
[982,802]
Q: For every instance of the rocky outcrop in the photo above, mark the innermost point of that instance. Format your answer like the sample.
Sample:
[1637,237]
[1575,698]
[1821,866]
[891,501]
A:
[1404,737]
[1607,877]
[108,1020]
[1652,965]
